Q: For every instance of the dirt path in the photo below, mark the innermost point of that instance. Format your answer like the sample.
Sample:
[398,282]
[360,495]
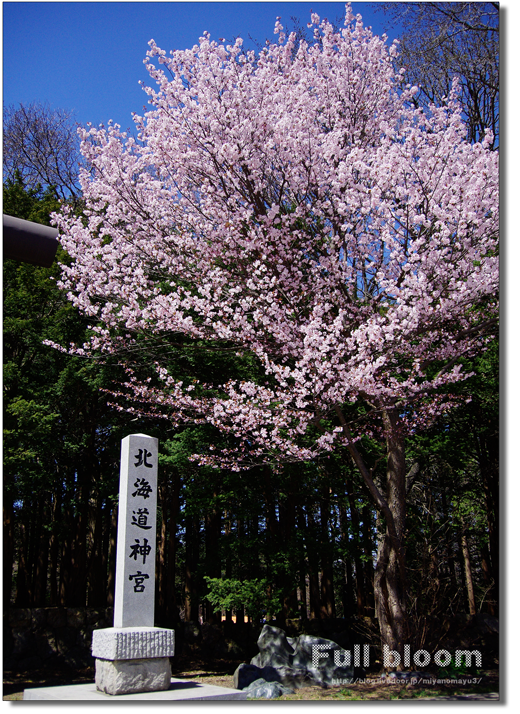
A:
[15,683]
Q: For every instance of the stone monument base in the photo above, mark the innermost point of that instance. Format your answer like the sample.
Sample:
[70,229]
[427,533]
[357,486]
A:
[130,676]
[130,660]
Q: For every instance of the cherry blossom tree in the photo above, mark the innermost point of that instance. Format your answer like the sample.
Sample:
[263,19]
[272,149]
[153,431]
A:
[294,205]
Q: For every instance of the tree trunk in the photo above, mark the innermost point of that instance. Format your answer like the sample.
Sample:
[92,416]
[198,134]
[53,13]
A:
[347,589]
[356,535]
[161,583]
[78,561]
[467,573]
[240,612]
[287,529]
[327,604]
[488,578]
[8,550]
[213,564]
[489,467]
[65,562]
[300,519]
[272,525]
[313,566]
[54,545]
[96,573]
[368,565]
[390,577]
[33,532]
[79,540]
[106,518]
[23,596]
[191,607]
[450,554]
[349,585]
[229,568]
[172,608]
[42,558]
[112,545]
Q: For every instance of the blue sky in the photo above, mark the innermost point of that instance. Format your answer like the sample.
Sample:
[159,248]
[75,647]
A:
[87,56]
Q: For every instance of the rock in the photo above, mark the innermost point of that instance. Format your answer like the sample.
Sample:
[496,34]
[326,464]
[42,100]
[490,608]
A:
[296,661]
[39,617]
[322,659]
[65,639]
[274,648]
[44,646]
[19,617]
[92,617]
[290,677]
[246,674]
[56,617]
[293,677]
[133,675]
[75,617]
[260,689]
[23,642]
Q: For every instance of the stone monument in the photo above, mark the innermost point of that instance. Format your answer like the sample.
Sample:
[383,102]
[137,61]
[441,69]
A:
[133,656]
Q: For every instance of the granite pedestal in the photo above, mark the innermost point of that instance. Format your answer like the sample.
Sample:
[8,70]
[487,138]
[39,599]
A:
[130,660]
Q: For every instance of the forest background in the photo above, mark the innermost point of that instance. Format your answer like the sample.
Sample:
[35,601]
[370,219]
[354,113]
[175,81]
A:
[292,542]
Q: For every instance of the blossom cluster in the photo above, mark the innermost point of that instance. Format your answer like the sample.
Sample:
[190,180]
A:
[293,203]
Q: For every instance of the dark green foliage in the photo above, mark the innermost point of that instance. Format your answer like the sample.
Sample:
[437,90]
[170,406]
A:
[60,438]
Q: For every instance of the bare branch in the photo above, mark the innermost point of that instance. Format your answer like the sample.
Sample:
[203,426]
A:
[41,145]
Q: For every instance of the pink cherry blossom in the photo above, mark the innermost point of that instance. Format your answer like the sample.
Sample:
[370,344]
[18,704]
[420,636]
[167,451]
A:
[295,204]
